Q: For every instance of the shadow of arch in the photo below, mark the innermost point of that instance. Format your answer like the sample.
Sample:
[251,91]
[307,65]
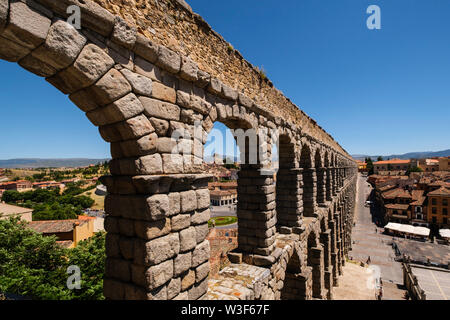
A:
[308,175]
[288,185]
[315,261]
[294,285]
[320,176]
[328,178]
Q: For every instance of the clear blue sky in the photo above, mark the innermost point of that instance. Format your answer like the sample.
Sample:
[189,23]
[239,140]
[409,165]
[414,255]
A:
[375,91]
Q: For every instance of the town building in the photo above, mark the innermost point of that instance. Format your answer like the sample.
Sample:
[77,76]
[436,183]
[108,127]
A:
[404,206]
[9,211]
[420,199]
[20,185]
[68,232]
[221,242]
[438,207]
[428,165]
[47,185]
[444,164]
[362,166]
[223,193]
[392,165]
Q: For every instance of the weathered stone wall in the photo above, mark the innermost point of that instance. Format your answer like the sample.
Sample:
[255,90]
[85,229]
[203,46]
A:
[305,264]
[173,24]
[145,99]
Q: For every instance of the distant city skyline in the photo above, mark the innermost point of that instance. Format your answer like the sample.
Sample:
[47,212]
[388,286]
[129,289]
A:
[375,91]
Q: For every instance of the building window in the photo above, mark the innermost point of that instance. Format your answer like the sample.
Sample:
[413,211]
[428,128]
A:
[444,211]
[434,219]
[433,201]
[445,221]
[434,210]
[444,202]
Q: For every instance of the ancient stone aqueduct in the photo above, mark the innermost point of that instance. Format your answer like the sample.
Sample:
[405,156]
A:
[141,70]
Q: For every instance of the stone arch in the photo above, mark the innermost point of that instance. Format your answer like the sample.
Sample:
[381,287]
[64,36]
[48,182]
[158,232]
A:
[321,178]
[328,177]
[91,74]
[288,186]
[256,209]
[140,94]
[315,261]
[309,183]
[294,283]
[327,244]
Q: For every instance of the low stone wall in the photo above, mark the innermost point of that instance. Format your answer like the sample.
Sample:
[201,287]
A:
[411,284]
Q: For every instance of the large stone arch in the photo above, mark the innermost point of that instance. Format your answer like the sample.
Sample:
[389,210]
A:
[326,240]
[315,260]
[309,180]
[320,177]
[294,282]
[288,186]
[328,177]
[149,102]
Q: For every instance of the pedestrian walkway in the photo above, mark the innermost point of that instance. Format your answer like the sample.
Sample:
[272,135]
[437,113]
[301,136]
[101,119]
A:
[368,241]
[356,284]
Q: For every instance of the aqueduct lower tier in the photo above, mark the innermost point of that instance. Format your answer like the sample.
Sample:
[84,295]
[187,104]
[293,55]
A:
[294,231]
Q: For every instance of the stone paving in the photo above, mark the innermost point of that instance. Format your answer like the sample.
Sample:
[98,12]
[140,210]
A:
[420,252]
[368,241]
[353,284]
[434,282]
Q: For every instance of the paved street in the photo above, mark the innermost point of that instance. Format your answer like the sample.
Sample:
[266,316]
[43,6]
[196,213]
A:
[369,242]
[224,211]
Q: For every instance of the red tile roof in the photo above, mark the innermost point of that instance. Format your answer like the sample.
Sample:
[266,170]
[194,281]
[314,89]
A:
[397,206]
[55,226]
[418,197]
[443,191]
[393,161]
[397,193]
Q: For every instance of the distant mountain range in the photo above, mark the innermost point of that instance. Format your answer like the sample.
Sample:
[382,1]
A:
[48,163]
[410,155]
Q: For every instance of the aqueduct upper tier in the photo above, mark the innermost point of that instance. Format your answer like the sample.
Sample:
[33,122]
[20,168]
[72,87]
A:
[154,77]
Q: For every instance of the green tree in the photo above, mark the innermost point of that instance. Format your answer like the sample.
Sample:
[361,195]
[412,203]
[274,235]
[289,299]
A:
[413,169]
[36,266]
[90,257]
[380,158]
[369,166]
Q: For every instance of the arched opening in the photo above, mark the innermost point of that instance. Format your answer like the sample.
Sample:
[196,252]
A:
[328,178]
[288,186]
[308,178]
[320,175]
[294,285]
[334,179]
[222,159]
[55,157]
[315,261]
[326,241]
[255,202]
